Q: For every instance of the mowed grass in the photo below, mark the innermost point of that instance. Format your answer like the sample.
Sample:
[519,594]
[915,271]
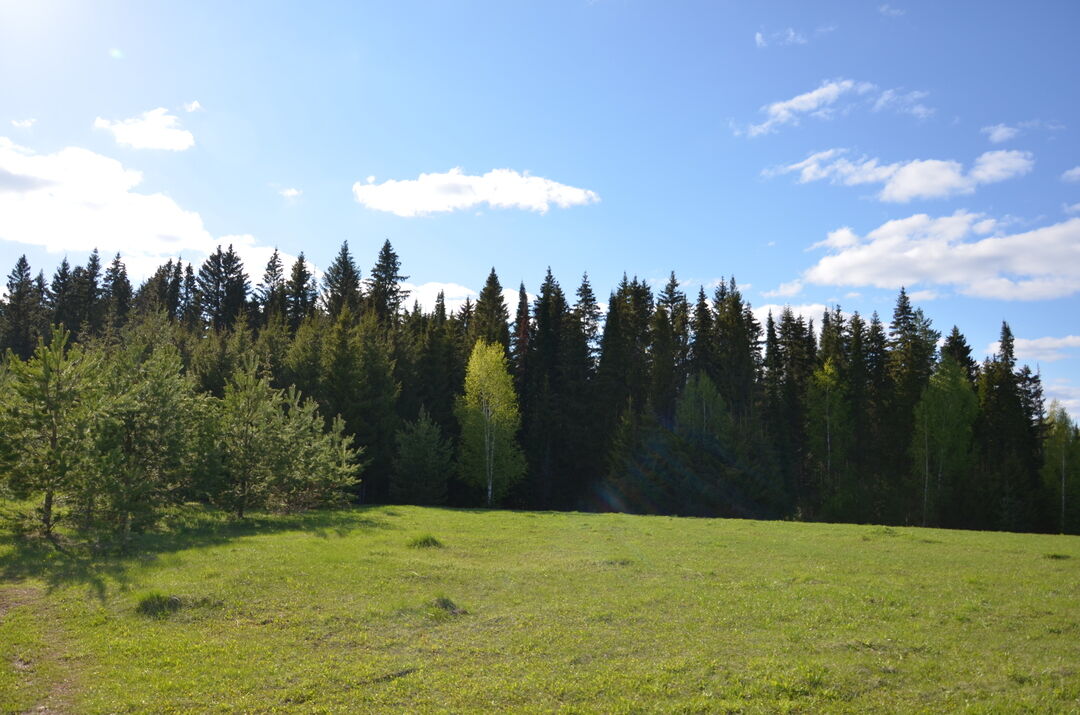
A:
[346,610]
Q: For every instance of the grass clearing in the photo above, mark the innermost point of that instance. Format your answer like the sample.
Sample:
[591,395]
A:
[338,611]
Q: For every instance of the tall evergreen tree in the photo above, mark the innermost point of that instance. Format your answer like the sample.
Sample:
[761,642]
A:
[116,293]
[301,293]
[270,293]
[385,294]
[341,284]
[23,310]
[490,317]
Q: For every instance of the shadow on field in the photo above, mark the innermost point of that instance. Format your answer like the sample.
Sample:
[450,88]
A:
[94,562]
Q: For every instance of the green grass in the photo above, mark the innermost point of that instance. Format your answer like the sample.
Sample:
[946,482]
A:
[337,611]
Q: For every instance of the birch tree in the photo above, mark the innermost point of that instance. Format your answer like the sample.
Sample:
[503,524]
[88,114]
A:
[489,418]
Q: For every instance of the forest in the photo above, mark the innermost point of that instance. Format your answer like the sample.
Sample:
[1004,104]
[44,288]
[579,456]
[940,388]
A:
[289,392]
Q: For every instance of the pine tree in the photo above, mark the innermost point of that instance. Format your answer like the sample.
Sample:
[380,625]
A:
[301,294]
[587,311]
[236,288]
[270,293]
[116,294]
[22,312]
[62,298]
[490,317]
[385,294]
[341,284]
[211,289]
[44,412]
[519,348]
[424,459]
[942,441]
[912,345]
[956,346]
[702,344]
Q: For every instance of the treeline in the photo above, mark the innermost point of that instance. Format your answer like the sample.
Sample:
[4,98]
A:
[669,403]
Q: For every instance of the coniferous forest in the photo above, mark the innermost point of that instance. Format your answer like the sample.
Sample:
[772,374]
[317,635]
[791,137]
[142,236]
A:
[281,392]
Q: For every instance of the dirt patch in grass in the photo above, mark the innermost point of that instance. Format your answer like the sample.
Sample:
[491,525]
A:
[38,666]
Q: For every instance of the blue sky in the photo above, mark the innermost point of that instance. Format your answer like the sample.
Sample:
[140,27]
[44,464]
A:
[819,152]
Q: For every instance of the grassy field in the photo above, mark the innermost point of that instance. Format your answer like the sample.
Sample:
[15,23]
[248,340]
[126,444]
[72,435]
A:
[437,609]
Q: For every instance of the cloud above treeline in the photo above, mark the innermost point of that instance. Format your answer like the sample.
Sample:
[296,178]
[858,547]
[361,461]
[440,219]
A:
[966,252]
[906,180]
[455,190]
[153,129]
[75,200]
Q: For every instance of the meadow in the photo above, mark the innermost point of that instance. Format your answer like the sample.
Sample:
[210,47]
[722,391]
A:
[429,609]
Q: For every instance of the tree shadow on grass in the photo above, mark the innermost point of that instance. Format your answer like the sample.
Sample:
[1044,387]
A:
[97,560]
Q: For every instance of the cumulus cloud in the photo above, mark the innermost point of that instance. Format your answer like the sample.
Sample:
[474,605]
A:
[759,40]
[915,179]
[999,133]
[889,11]
[192,106]
[74,200]
[961,251]
[154,129]
[1072,174]
[454,295]
[290,193]
[785,290]
[455,190]
[23,123]
[1062,391]
[1049,349]
[808,312]
[1072,209]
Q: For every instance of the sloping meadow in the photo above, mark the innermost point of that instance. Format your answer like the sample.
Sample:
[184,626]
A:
[438,609]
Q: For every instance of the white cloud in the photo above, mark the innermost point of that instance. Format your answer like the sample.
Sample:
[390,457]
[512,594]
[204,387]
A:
[154,129]
[1065,393]
[808,311]
[999,133]
[290,193]
[785,290]
[1047,349]
[192,106]
[1073,209]
[955,251]
[889,11]
[454,296]
[1072,174]
[825,101]
[916,179]
[23,123]
[455,190]
[817,103]
[74,200]
[787,36]
[904,102]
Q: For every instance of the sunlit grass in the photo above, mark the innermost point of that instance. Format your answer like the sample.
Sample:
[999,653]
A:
[540,611]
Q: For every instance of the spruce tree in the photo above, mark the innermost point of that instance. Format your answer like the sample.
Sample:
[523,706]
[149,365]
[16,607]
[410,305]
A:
[341,284]
[270,293]
[116,294]
[22,312]
[491,316]
[301,294]
[384,292]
